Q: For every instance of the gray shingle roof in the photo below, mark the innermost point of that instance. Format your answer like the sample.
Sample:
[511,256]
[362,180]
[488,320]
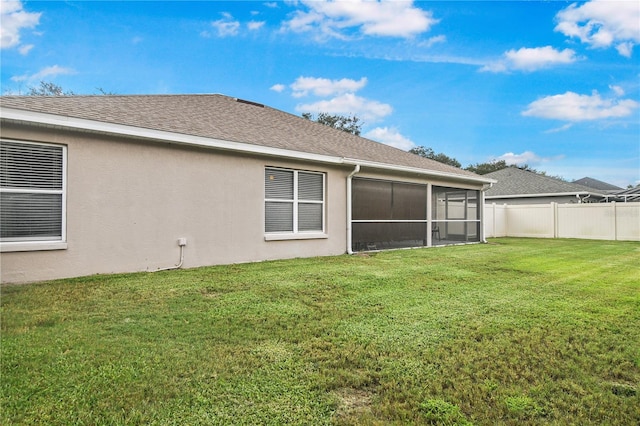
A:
[597,184]
[513,181]
[229,119]
[631,194]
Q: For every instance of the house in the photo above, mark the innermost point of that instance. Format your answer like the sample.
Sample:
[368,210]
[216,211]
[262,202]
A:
[611,192]
[598,185]
[625,195]
[516,186]
[106,184]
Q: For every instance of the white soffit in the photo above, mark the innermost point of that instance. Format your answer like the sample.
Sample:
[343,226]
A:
[54,120]
[550,194]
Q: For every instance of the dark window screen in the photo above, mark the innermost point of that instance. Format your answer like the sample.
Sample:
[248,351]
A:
[409,202]
[379,201]
[382,200]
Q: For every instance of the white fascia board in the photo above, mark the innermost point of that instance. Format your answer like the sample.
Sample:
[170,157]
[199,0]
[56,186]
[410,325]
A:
[159,135]
[426,172]
[553,194]
[184,139]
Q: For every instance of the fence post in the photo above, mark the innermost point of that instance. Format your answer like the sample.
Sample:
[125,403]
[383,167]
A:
[493,212]
[554,208]
[615,220]
[506,220]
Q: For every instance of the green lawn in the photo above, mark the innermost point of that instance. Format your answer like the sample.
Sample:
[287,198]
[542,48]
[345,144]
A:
[517,331]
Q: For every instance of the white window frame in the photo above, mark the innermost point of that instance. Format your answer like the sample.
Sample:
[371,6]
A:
[36,243]
[296,201]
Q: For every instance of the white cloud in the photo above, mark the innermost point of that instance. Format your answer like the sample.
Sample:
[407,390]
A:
[562,128]
[306,22]
[14,19]
[531,59]
[255,25]
[226,26]
[433,40]
[372,18]
[325,87]
[45,73]
[390,136]
[349,103]
[619,91]
[278,87]
[525,158]
[25,49]
[339,98]
[602,23]
[571,106]
[625,49]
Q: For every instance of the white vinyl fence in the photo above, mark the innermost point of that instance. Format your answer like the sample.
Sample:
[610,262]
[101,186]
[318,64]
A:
[603,221]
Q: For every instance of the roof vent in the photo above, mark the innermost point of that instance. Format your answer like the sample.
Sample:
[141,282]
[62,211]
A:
[242,101]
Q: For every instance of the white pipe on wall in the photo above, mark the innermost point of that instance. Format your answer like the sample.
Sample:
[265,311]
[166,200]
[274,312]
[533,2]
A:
[485,188]
[181,242]
[350,208]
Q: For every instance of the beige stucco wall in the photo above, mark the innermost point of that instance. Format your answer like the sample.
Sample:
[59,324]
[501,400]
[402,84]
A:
[128,202]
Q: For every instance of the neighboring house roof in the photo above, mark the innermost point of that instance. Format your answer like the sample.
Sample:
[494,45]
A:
[631,194]
[597,184]
[513,182]
[221,122]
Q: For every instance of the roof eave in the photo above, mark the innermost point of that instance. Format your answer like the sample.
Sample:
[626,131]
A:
[416,170]
[100,127]
[550,194]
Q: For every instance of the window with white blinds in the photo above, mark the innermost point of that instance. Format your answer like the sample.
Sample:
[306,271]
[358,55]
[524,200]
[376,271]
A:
[294,201]
[32,185]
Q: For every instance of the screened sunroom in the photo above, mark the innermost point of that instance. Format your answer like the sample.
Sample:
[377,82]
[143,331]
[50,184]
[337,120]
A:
[392,214]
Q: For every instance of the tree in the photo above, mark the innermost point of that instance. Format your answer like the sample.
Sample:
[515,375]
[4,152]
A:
[101,91]
[440,157]
[48,89]
[495,165]
[484,168]
[349,124]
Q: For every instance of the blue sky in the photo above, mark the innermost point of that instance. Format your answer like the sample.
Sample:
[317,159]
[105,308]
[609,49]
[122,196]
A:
[554,84]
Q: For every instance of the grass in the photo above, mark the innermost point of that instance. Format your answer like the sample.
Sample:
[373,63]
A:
[518,331]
